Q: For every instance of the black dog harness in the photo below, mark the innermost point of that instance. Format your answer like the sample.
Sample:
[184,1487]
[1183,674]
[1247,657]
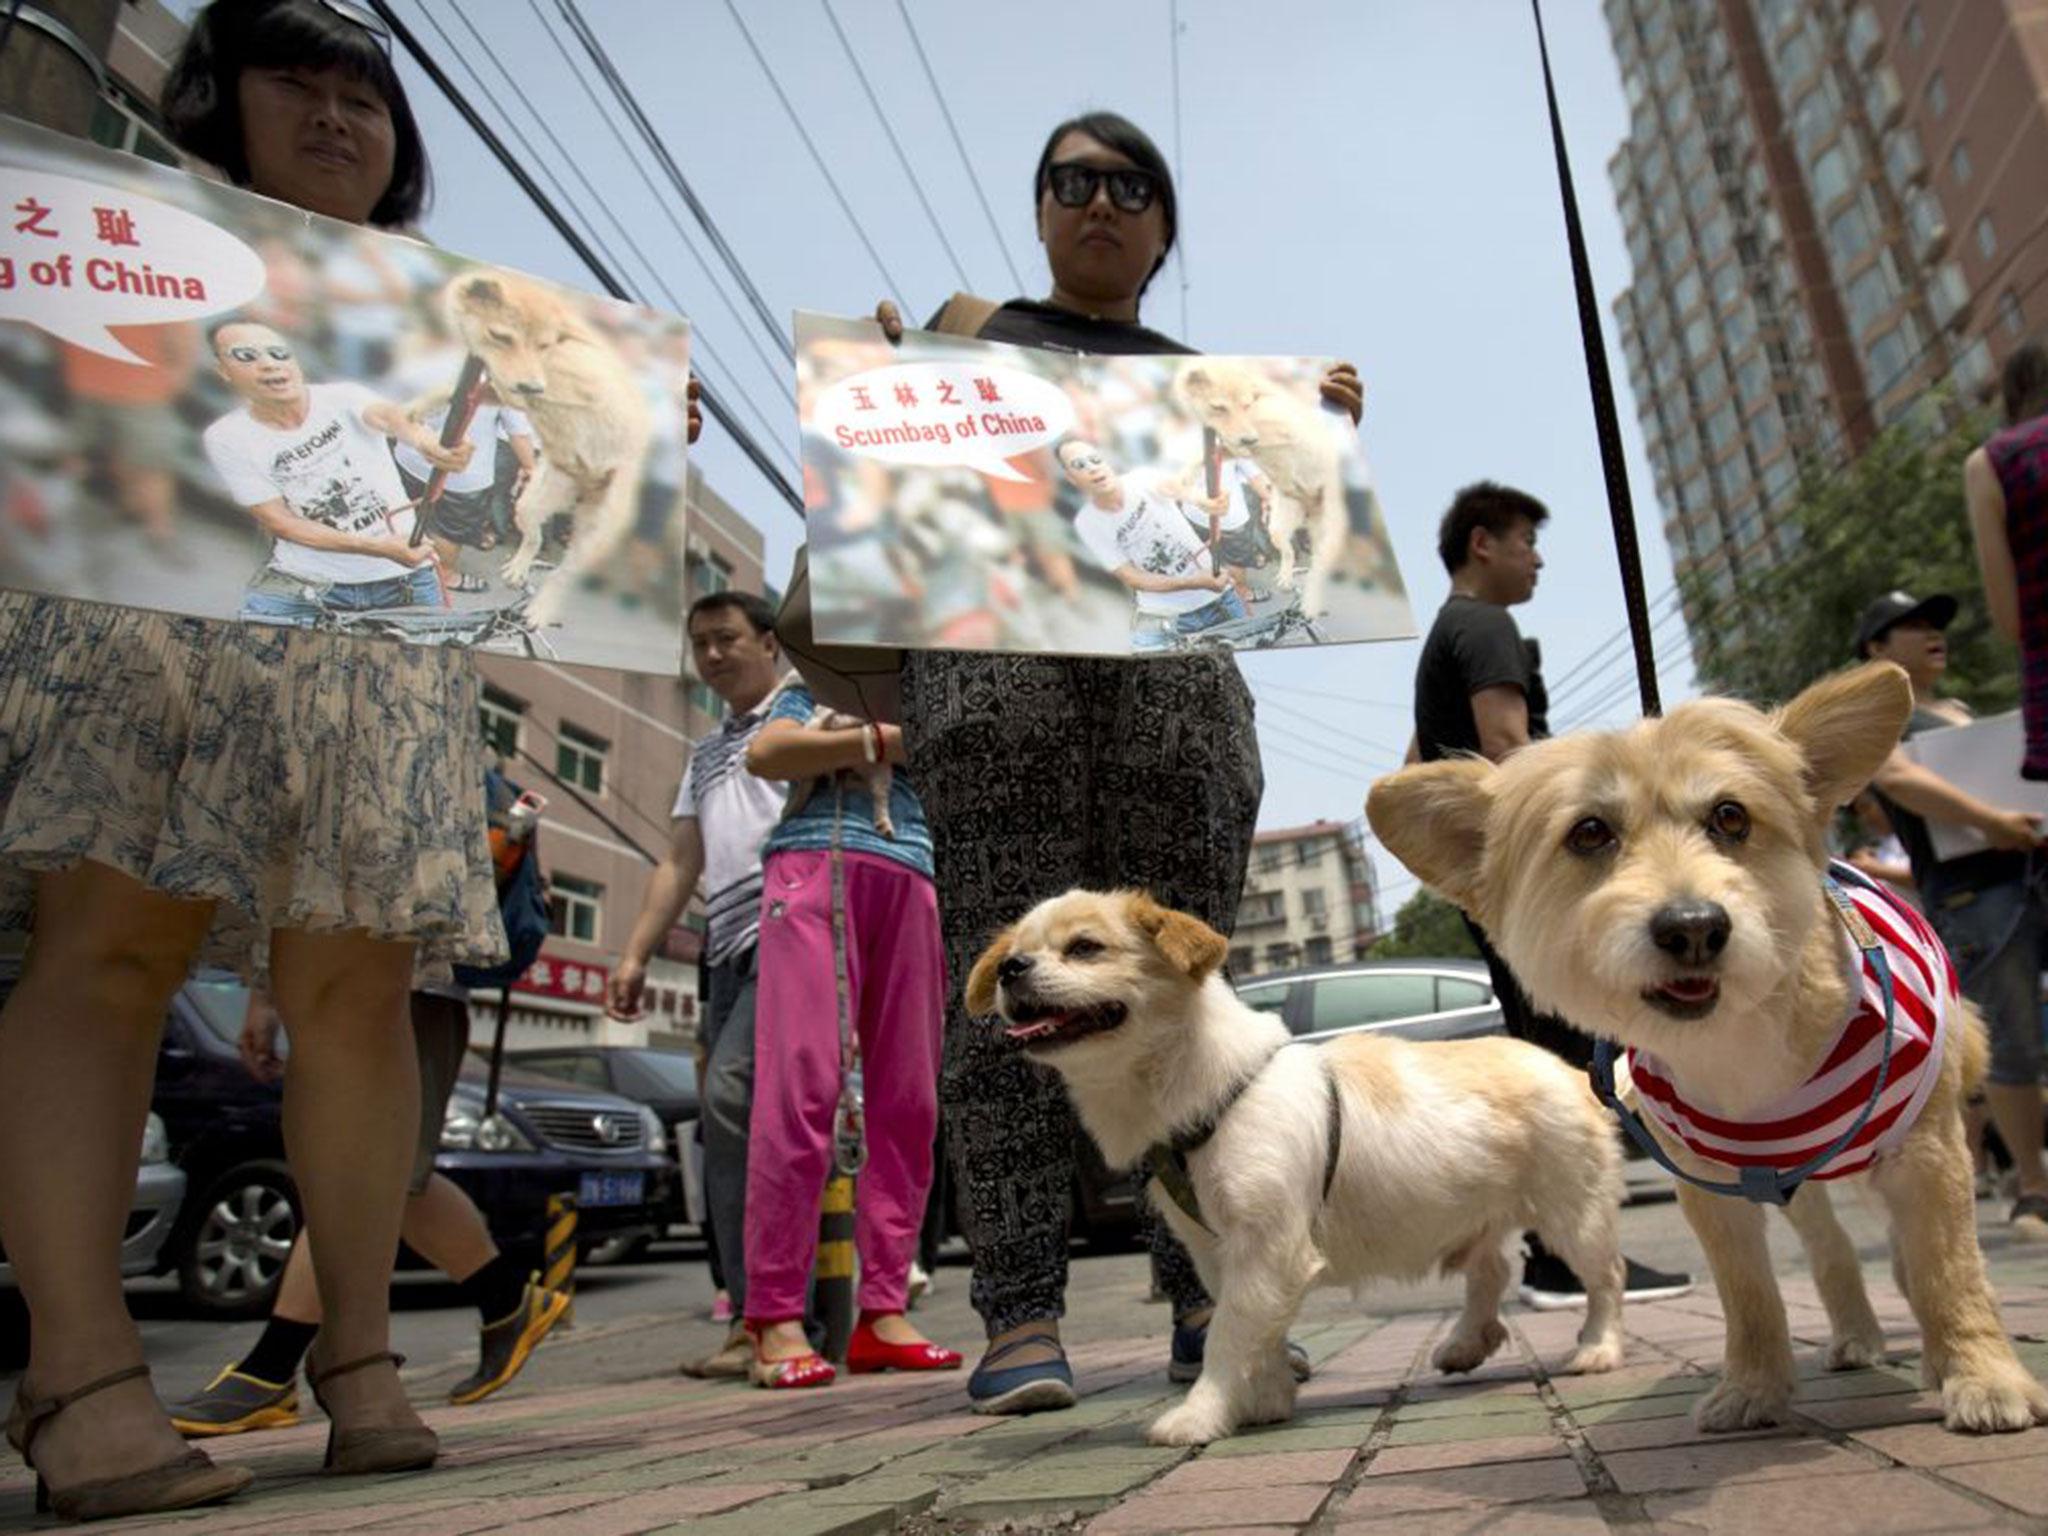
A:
[1169,1159]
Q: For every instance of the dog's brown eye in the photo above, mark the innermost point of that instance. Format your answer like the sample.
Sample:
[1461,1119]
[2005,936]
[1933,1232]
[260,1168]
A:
[1729,822]
[1081,948]
[1591,835]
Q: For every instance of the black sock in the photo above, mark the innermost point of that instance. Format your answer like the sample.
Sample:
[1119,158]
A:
[495,1290]
[277,1354]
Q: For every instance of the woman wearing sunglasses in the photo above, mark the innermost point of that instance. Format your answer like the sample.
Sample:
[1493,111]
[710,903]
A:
[277,801]
[1155,783]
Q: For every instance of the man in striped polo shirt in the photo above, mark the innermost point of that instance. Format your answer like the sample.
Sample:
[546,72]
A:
[722,815]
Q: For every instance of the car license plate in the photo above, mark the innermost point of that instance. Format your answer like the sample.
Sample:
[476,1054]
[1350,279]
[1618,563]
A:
[611,1189]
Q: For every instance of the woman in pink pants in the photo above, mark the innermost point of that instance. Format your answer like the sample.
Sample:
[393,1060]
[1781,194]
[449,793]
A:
[894,1001]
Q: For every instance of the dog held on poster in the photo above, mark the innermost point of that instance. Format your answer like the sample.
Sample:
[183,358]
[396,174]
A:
[1440,1151]
[1662,887]
[1290,439]
[545,359]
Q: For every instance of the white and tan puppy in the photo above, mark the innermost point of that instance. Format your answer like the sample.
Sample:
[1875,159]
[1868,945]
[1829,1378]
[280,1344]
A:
[546,360]
[1661,886]
[1445,1149]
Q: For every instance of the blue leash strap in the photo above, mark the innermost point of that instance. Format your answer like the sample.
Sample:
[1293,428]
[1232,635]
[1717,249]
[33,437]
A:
[1765,1185]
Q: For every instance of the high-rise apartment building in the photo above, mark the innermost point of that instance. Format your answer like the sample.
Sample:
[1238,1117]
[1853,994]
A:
[1830,207]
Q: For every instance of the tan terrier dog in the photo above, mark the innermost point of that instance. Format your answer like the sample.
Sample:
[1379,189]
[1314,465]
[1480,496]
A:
[1661,887]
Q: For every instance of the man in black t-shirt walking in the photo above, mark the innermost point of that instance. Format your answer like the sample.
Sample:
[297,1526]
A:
[1479,689]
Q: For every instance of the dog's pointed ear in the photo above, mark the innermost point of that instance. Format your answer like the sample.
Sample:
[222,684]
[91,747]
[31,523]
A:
[1191,378]
[981,981]
[1188,943]
[1432,817]
[484,290]
[1845,726]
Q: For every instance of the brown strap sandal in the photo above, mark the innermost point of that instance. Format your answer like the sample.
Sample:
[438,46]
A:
[382,1448]
[184,1482]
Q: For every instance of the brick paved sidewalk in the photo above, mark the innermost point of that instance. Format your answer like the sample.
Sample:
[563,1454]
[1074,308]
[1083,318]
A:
[1377,1439]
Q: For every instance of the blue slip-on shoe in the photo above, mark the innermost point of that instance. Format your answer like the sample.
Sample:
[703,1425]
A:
[1040,1387]
[1184,1365]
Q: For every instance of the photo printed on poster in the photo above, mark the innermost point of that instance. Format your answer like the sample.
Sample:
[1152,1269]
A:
[218,405]
[970,495]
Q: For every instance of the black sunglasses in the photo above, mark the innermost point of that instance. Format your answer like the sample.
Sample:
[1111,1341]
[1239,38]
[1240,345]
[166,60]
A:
[1073,186]
[247,354]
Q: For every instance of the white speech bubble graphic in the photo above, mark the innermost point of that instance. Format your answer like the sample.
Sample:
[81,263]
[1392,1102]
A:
[79,256]
[977,415]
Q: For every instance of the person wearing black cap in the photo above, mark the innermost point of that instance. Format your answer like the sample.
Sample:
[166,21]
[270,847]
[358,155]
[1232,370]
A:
[1988,906]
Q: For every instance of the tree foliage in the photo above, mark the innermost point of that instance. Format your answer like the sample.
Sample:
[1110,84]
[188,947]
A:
[1426,925]
[1894,518]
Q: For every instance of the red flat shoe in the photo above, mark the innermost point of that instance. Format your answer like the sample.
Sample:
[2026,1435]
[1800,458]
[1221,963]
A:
[807,1370]
[866,1352]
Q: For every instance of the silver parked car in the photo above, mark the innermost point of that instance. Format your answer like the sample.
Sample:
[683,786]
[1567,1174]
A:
[1412,999]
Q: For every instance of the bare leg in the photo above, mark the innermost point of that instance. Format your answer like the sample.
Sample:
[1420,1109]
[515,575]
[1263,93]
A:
[78,1044]
[2016,1111]
[351,1106]
[298,1294]
[150,496]
[1757,1371]
[443,1226]
[1855,1339]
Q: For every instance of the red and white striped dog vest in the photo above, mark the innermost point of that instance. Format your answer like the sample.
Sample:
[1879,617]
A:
[1807,1120]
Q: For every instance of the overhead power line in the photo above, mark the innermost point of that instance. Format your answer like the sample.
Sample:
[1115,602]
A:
[896,290]
[573,237]
[623,93]
[775,371]
[698,338]
[902,159]
[953,128]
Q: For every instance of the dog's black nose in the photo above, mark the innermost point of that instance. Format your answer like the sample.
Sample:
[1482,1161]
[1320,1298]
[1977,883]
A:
[1015,966]
[1691,932]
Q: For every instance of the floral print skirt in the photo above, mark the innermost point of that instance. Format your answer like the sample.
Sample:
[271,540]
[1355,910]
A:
[295,779]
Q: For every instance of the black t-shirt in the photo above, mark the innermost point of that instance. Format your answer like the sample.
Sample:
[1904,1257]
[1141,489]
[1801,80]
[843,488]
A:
[1472,645]
[1030,323]
[1934,877]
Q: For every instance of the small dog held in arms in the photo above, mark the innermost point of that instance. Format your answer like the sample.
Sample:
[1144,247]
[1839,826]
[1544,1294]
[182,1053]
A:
[1291,441]
[1303,1165]
[1662,887]
[879,777]
[545,359]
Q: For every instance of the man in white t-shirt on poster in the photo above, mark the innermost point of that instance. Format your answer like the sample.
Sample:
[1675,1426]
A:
[1225,521]
[1140,534]
[312,464]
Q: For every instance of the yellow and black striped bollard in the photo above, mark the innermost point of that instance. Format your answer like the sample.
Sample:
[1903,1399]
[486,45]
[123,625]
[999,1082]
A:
[834,1272]
[558,1266]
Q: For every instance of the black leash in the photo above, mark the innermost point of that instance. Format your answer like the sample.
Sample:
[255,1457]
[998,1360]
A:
[1168,1159]
[1606,423]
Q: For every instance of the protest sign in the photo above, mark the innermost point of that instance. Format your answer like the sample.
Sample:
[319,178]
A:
[218,405]
[968,495]
[1982,758]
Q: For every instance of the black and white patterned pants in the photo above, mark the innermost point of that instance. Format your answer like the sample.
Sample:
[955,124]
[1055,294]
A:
[1040,773]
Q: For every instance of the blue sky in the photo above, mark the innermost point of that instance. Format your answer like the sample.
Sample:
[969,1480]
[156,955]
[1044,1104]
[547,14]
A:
[1370,179]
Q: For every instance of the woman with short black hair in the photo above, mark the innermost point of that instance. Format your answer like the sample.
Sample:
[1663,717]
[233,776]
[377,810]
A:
[274,800]
[1043,772]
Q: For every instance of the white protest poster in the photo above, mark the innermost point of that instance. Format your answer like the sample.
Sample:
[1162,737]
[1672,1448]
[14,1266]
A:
[217,405]
[969,495]
[1982,758]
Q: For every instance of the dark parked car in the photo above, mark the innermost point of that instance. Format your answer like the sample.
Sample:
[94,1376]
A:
[664,1081]
[225,1130]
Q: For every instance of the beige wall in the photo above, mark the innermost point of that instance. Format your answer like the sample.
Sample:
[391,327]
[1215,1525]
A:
[1307,888]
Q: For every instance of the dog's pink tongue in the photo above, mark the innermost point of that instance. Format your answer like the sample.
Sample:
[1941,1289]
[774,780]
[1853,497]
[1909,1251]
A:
[1691,989]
